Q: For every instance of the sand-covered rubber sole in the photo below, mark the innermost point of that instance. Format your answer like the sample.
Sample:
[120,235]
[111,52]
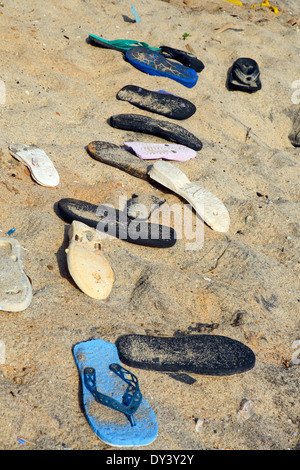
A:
[115,156]
[165,104]
[116,224]
[164,129]
[199,354]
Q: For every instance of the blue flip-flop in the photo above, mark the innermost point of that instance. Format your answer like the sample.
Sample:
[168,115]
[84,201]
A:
[113,403]
[154,63]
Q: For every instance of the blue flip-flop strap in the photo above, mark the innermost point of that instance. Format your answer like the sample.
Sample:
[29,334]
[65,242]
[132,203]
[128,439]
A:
[131,398]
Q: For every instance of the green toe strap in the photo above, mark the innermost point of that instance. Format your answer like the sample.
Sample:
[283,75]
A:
[122,44]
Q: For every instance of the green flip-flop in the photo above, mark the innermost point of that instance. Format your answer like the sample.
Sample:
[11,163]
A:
[121,45]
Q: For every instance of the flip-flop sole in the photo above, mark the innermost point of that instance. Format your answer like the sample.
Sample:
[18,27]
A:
[171,106]
[198,354]
[207,205]
[113,155]
[154,63]
[86,263]
[164,129]
[40,166]
[117,224]
[111,426]
[153,151]
[185,58]
[15,287]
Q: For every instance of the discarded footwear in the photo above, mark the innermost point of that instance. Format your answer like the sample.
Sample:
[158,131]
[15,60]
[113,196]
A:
[154,63]
[40,166]
[185,58]
[294,134]
[244,75]
[121,45]
[164,129]
[141,207]
[153,151]
[114,406]
[166,104]
[15,287]
[209,207]
[86,262]
[114,155]
[115,223]
[197,354]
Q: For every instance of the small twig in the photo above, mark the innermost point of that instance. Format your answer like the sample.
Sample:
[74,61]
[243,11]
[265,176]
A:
[223,28]
[247,133]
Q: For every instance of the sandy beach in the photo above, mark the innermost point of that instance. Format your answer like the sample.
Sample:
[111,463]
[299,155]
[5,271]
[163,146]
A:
[60,92]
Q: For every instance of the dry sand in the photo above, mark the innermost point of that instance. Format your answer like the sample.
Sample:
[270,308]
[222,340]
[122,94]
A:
[244,284]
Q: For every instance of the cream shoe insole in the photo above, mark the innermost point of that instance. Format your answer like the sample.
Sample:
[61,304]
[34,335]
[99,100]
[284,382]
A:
[86,263]
[40,166]
[15,287]
[209,207]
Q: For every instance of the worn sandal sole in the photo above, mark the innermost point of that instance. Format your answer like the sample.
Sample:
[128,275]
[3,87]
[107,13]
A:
[15,287]
[153,151]
[164,129]
[198,354]
[117,224]
[86,263]
[171,106]
[185,58]
[208,207]
[106,389]
[154,63]
[40,166]
[114,155]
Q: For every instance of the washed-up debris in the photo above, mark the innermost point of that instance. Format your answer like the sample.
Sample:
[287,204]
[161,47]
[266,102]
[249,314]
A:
[135,13]
[11,231]
[246,409]
[266,4]
[199,424]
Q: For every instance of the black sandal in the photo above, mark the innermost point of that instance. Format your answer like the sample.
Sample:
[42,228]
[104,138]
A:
[244,75]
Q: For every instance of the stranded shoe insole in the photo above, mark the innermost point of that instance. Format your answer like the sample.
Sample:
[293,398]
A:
[168,105]
[154,63]
[114,155]
[164,129]
[198,354]
[185,58]
[15,287]
[117,224]
[40,166]
[86,263]
[206,204]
